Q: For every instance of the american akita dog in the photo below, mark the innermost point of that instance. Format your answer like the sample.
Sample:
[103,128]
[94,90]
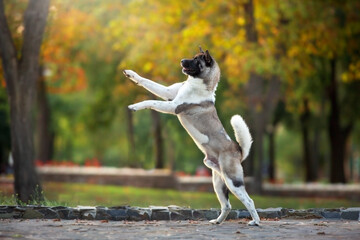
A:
[193,102]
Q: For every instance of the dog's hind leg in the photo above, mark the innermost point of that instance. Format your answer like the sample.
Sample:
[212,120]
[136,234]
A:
[235,182]
[243,196]
[212,163]
[222,194]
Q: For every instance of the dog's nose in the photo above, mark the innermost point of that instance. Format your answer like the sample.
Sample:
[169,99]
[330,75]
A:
[184,62]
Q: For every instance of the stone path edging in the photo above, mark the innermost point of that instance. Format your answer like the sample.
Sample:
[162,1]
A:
[166,213]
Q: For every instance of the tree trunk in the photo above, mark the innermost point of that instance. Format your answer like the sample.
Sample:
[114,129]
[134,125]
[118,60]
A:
[271,136]
[259,156]
[158,140]
[132,159]
[4,134]
[338,134]
[21,76]
[250,30]
[277,116]
[262,95]
[253,92]
[310,174]
[45,141]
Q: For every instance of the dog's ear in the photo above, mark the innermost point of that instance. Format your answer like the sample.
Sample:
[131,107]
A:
[208,58]
[202,51]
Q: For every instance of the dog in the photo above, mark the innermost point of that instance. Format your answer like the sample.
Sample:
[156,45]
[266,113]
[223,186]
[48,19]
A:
[193,102]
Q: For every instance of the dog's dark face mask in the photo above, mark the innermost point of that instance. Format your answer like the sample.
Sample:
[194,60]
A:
[196,66]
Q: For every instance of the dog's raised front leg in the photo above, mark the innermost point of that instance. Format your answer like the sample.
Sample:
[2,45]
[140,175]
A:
[166,93]
[160,106]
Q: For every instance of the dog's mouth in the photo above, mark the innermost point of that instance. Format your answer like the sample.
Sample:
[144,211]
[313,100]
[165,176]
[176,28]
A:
[188,71]
[187,67]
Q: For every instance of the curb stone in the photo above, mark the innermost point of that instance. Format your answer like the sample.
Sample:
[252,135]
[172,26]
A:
[351,213]
[168,213]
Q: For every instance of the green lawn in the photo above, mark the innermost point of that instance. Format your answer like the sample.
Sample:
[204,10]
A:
[73,194]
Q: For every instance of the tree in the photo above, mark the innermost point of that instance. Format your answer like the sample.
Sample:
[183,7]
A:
[21,73]
[61,60]
[322,41]
[4,132]
[263,94]
[45,135]
[309,161]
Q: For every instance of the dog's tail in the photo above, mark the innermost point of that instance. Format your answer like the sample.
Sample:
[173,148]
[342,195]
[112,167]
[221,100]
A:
[242,135]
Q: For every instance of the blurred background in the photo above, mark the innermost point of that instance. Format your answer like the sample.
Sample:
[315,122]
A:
[290,68]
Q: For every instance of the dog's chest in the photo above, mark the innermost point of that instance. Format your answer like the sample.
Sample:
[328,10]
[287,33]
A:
[194,91]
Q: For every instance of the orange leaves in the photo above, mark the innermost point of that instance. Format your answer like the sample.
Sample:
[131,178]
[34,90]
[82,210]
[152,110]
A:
[62,53]
[2,82]
[2,77]
[67,80]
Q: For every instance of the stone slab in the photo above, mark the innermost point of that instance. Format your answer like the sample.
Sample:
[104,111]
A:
[167,213]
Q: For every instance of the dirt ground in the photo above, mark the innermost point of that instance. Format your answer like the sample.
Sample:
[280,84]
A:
[234,229]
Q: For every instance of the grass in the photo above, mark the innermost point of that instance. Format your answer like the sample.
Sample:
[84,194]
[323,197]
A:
[73,194]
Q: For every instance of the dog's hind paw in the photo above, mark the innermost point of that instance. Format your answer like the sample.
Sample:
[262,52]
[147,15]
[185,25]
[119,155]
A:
[254,223]
[214,221]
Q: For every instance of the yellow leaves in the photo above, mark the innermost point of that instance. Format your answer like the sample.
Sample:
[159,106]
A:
[310,49]
[293,51]
[235,70]
[197,30]
[352,73]
[240,21]
[148,66]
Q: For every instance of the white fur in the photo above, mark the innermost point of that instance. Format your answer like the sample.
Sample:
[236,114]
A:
[242,134]
[194,91]
[160,106]
[166,93]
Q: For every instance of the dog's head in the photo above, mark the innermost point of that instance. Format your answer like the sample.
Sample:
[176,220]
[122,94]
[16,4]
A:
[202,65]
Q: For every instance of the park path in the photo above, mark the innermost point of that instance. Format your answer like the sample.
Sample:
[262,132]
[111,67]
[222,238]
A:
[233,229]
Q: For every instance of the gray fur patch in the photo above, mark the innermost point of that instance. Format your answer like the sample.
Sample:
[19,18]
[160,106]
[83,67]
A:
[186,106]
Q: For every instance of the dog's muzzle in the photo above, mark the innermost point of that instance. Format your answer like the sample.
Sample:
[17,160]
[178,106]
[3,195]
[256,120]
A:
[186,65]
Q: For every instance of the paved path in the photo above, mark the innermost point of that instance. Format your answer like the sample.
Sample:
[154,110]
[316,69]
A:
[233,229]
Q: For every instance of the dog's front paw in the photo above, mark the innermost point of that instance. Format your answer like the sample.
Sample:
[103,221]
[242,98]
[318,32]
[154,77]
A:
[132,75]
[133,107]
[254,223]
